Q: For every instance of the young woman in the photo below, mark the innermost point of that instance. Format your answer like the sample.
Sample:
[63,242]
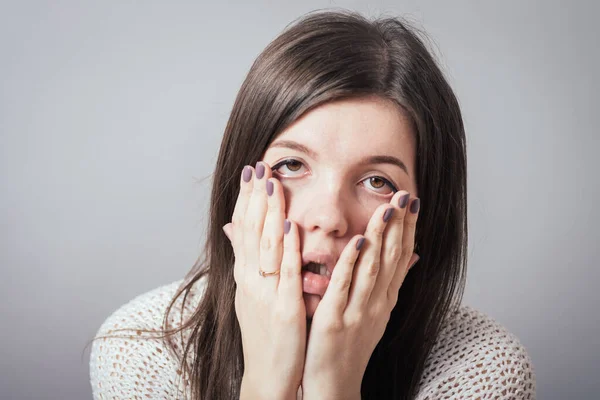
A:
[343,164]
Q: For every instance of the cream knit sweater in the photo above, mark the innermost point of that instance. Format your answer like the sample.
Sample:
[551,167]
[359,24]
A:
[474,357]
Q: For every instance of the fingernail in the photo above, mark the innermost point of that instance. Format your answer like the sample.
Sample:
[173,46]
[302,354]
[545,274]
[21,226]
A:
[414,206]
[247,174]
[403,200]
[287,225]
[260,170]
[270,188]
[359,243]
[388,214]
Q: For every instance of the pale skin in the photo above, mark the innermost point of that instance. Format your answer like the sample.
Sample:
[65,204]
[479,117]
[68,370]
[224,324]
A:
[339,187]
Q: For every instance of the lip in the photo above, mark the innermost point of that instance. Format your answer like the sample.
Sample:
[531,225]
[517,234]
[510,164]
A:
[320,257]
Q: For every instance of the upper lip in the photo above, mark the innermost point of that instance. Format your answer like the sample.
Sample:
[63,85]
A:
[320,257]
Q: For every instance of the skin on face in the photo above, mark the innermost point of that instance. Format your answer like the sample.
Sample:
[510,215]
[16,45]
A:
[341,156]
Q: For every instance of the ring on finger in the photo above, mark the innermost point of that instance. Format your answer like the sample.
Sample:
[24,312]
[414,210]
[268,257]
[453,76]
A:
[265,274]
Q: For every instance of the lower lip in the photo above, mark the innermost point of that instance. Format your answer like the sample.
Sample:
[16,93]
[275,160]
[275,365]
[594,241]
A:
[314,283]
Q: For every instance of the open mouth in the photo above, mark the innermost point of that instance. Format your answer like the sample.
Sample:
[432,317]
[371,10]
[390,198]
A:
[319,269]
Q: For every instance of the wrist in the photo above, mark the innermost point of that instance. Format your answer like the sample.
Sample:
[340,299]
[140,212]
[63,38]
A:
[329,391]
[255,389]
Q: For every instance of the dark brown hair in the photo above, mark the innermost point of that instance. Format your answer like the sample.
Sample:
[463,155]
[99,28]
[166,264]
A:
[322,57]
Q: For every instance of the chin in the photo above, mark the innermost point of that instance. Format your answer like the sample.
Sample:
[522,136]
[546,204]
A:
[311,301]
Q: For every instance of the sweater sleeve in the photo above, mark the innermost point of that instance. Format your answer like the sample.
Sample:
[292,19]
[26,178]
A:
[477,358]
[134,364]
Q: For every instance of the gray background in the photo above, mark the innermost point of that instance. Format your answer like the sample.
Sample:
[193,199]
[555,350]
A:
[111,116]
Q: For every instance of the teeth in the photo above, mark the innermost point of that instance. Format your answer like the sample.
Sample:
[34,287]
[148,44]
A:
[323,270]
[320,269]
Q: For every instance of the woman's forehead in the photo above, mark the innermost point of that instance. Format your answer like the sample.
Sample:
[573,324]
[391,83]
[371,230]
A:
[355,128]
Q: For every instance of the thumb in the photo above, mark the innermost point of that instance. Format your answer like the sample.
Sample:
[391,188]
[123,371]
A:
[413,260]
[228,229]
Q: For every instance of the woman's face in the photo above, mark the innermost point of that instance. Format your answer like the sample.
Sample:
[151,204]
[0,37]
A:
[337,164]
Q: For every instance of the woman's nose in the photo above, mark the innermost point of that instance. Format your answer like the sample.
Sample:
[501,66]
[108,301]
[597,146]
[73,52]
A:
[326,211]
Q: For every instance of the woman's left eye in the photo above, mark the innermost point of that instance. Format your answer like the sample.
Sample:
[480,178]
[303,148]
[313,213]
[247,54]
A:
[380,185]
[288,167]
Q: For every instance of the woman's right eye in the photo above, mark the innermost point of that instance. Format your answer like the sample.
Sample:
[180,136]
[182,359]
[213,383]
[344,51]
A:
[289,167]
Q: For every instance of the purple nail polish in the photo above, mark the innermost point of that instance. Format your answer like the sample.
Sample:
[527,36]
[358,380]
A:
[359,243]
[403,200]
[287,225]
[270,188]
[247,174]
[414,206]
[388,214]
[260,171]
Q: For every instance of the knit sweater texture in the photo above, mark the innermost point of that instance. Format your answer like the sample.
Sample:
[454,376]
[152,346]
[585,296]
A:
[474,357]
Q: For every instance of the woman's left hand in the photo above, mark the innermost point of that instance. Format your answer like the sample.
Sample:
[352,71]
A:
[353,314]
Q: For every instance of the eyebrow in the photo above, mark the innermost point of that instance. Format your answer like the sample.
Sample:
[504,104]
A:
[380,159]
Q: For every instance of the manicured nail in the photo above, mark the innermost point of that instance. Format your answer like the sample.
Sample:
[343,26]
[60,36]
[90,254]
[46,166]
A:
[287,225]
[359,243]
[403,200]
[247,174]
[414,206]
[260,170]
[270,188]
[388,214]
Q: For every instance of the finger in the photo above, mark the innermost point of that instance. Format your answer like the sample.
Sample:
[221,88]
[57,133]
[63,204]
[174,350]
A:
[238,217]
[408,243]
[413,260]
[271,242]
[255,217]
[337,293]
[392,251]
[228,230]
[369,262]
[290,277]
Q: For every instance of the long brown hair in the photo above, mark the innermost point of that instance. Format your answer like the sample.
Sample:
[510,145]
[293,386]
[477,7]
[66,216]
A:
[326,56]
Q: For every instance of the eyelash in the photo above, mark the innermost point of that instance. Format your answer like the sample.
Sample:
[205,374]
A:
[291,160]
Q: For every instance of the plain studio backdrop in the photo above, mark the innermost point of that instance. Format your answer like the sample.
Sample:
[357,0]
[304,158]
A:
[111,115]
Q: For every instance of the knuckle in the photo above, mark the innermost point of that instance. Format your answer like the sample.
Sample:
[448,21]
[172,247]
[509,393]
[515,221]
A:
[399,216]
[356,319]
[288,271]
[411,223]
[335,326]
[395,252]
[342,283]
[378,230]
[266,243]
[373,269]
[256,225]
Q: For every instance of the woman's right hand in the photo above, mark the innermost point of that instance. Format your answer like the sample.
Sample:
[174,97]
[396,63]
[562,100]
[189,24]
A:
[270,309]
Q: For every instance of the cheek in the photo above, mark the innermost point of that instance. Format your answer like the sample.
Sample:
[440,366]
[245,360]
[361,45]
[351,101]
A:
[366,205]
[358,206]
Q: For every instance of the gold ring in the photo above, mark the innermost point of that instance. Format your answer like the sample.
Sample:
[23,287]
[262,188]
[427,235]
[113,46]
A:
[264,274]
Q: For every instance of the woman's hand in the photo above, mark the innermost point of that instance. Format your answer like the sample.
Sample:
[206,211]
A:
[270,309]
[352,315]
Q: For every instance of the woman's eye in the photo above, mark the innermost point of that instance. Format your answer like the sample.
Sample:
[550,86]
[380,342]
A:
[379,185]
[287,167]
